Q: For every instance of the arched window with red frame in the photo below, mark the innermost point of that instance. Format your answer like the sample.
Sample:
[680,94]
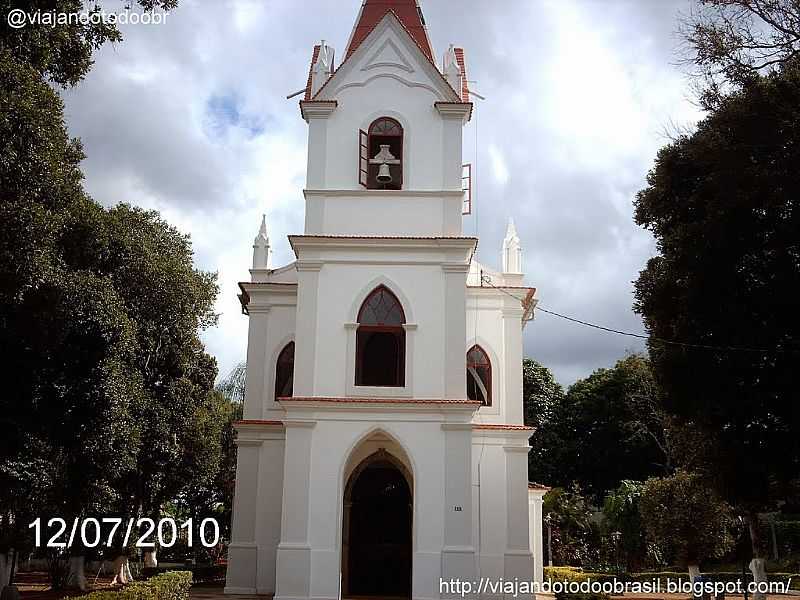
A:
[479,376]
[381,155]
[284,372]
[381,340]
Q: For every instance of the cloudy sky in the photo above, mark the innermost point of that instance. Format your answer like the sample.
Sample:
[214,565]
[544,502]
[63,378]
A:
[190,118]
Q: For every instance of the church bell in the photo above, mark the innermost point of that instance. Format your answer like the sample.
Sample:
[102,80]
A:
[384,176]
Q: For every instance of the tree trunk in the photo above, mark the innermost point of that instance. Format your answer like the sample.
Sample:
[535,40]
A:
[77,573]
[122,571]
[549,545]
[151,558]
[757,565]
[6,560]
[759,569]
[694,577]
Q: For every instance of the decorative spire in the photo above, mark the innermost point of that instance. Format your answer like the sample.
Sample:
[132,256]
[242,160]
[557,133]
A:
[408,12]
[322,68]
[261,250]
[512,251]
[451,70]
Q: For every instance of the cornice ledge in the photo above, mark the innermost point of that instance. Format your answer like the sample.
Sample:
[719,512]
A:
[257,423]
[457,426]
[455,267]
[454,110]
[351,402]
[254,309]
[382,193]
[317,109]
[309,265]
[300,424]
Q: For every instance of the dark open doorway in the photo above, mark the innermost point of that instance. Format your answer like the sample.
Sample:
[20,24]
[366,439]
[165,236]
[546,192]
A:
[377,549]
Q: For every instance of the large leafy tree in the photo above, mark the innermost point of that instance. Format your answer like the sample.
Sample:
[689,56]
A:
[604,430]
[62,53]
[542,396]
[64,330]
[685,519]
[623,524]
[724,206]
[732,41]
[111,404]
[572,537]
[214,497]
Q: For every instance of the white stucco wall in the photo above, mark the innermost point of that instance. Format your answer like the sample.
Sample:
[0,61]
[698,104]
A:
[468,465]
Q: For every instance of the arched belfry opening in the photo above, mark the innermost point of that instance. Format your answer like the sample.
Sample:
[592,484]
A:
[377,523]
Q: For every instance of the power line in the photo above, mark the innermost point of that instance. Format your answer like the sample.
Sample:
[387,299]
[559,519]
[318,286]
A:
[651,339]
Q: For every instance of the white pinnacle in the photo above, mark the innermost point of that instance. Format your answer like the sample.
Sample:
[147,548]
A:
[512,251]
[261,246]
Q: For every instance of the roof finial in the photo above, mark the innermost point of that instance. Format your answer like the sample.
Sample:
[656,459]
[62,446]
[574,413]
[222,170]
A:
[261,250]
[512,251]
[322,68]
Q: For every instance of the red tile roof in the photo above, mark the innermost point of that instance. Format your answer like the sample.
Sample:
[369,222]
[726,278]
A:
[314,56]
[462,65]
[538,486]
[407,11]
[418,35]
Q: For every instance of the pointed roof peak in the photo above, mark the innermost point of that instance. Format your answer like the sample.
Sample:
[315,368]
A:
[511,230]
[262,230]
[407,12]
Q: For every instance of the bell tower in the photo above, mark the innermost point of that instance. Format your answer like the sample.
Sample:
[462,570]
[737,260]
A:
[385,130]
[384,377]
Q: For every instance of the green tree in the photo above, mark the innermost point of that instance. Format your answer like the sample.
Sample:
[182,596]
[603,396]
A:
[214,498]
[602,431]
[62,53]
[168,301]
[542,395]
[64,331]
[99,310]
[623,524]
[722,205]
[686,519]
[571,536]
[732,41]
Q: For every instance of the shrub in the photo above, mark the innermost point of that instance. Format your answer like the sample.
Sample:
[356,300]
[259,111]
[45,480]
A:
[172,585]
[575,575]
[685,519]
[200,573]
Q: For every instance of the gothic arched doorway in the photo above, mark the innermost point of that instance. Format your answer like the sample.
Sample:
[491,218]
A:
[377,547]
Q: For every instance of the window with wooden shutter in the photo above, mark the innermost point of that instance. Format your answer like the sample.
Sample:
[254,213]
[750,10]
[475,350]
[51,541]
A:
[363,157]
[466,187]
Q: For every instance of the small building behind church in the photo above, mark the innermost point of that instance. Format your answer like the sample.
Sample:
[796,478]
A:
[383,449]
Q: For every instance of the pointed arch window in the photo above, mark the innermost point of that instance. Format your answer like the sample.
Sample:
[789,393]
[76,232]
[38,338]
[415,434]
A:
[284,372]
[381,340]
[381,155]
[479,376]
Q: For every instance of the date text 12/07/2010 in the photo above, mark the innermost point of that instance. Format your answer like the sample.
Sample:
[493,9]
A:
[144,532]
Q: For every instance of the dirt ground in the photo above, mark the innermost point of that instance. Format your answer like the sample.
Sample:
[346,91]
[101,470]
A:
[34,585]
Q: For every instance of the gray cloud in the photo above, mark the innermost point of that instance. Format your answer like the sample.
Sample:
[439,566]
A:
[191,118]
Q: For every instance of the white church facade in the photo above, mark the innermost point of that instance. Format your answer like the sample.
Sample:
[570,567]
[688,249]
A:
[382,449]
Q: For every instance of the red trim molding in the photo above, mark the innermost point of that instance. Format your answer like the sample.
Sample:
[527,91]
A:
[502,427]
